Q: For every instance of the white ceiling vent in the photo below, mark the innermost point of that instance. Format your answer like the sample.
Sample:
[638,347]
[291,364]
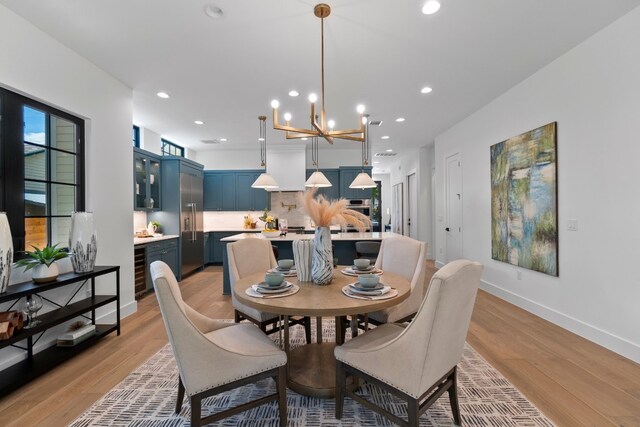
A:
[375,123]
[385,154]
[211,141]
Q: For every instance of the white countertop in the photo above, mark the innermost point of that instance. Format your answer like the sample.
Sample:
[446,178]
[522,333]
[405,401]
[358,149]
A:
[252,230]
[145,240]
[291,236]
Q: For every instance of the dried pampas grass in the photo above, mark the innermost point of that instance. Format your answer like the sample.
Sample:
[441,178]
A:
[325,213]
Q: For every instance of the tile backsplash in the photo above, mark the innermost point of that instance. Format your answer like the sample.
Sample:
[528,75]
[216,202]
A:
[284,205]
[139,221]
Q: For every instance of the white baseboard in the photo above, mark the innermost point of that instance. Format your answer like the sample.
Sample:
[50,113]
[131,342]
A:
[46,342]
[612,342]
[439,264]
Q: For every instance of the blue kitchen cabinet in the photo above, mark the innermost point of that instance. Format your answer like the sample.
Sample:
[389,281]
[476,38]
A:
[347,175]
[333,175]
[146,181]
[163,250]
[207,248]
[219,191]
[231,190]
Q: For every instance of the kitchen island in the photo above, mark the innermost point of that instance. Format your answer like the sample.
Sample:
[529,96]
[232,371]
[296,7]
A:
[344,247]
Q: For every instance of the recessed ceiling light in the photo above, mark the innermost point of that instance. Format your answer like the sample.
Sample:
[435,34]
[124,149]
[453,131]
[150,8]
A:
[426,89]
[213,11]
[198,122]
[400,119]
[260,139]
[223,139]
[304,139]
[163,95]
[385,137]
[389,150]
[430,7]
[376,163]
[293,93]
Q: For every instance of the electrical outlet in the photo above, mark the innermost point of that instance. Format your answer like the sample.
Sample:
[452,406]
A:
[572,225]
[519,274]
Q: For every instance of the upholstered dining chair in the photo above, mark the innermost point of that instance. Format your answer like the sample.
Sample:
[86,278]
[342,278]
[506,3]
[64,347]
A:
[406,257]
[214,356]
[250,256]
[368,250]
[418,362]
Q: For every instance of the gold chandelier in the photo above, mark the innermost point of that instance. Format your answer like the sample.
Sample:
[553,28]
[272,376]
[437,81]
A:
[320,126]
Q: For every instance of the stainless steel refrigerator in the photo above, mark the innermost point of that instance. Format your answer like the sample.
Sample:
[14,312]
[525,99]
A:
[191,222]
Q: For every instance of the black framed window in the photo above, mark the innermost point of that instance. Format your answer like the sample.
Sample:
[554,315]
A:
[136,136]
[42,170]
[171,149]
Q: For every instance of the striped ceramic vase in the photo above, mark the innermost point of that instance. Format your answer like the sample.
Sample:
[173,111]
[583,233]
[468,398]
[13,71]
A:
[302,250]
[322,258]
[6,252]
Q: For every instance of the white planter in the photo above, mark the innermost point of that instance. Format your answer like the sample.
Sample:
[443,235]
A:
[83,243]
[6,252]
[42,273]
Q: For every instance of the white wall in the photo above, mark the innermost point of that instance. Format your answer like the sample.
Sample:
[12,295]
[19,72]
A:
[150,141]
[418,161]
[220,159]
[34,64]
[593,92]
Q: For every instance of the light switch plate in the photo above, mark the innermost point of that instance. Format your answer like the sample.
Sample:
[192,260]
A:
[572,225]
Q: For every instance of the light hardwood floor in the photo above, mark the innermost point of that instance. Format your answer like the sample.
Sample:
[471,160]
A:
[573,381]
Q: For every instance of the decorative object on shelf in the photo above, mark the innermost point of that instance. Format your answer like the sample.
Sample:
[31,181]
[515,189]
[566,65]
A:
[363,180]
[325,213]
[33,305]
[6,252]
[265,180]
[524,208]
[302,250]
[270,222]
[317,179]
[10,323]
[249,222]
[76,333]
[153,227]
[323,128]
[43,263]
[83,242]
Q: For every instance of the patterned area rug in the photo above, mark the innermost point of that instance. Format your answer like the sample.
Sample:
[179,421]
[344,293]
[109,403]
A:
[146,398]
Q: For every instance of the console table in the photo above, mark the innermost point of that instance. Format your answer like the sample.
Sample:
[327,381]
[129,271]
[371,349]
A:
[36,364]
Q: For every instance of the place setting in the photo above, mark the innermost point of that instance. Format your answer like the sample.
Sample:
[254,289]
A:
[369,287]
[361,266]
[273,286]
[285,267]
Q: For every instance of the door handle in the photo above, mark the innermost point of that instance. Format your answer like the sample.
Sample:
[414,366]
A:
[193,228]
[447,229]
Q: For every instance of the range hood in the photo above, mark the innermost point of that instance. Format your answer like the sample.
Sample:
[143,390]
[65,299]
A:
[287,165]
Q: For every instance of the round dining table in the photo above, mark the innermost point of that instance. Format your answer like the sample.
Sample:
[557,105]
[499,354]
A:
[311,367]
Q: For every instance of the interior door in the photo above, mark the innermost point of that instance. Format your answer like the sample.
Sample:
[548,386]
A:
[412,206]
[453,206]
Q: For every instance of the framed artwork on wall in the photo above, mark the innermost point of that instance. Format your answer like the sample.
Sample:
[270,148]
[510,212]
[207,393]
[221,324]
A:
[524,200]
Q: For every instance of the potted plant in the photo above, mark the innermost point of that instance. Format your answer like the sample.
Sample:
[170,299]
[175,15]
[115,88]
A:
[43,263]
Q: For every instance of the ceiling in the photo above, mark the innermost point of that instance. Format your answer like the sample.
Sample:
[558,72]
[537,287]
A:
[379,53]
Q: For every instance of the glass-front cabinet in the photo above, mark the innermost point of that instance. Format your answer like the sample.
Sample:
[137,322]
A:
[146,172]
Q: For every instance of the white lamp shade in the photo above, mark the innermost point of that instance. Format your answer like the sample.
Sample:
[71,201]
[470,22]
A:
[265,181]
[363,180]
[317,179]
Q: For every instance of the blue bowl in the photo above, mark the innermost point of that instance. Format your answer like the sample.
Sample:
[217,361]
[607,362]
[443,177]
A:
[368,280]
[274,279]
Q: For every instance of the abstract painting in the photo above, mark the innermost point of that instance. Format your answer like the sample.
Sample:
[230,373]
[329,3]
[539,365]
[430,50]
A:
[524,205]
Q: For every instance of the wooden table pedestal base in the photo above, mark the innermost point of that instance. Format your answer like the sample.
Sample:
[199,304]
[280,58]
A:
[312,370]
